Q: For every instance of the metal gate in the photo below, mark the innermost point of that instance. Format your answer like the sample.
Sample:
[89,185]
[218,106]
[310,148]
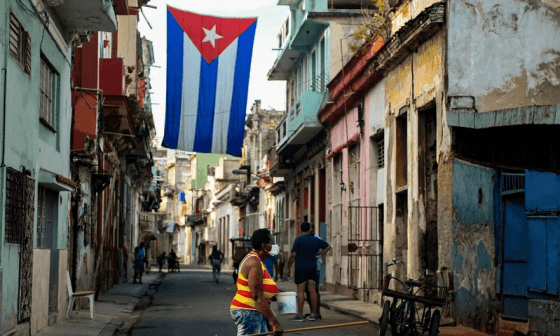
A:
[365,248]
[20,212]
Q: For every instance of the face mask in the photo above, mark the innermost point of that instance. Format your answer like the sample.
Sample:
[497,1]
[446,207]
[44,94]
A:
[274,250]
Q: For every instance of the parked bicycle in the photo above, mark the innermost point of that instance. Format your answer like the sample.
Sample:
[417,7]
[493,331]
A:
[414,311]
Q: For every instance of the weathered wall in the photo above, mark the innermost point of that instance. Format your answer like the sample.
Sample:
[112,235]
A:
[62,284]
[40,292]
[29,143]
[10,261]
[408,11]
[374,105]
[517,41]
[474,244]
[84,258]
[413,85]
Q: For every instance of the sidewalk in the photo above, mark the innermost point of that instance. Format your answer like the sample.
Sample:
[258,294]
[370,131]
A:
[111,308]
[368,311]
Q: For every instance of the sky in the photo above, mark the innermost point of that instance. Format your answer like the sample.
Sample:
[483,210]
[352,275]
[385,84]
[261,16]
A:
[270,20]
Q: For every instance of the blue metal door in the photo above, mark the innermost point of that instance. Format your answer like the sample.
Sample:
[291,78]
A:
[515,262]
[543,216]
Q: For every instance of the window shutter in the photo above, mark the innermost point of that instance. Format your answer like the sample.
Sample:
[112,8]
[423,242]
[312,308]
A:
[14,36]
[26,52]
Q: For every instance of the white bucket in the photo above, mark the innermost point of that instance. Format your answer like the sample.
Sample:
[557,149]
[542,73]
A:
[287,303]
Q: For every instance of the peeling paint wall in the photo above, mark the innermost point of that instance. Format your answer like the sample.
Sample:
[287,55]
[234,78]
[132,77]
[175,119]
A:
[517,41]
[374,110]
[408,11]
[474,244]
[86,226]
[413,85]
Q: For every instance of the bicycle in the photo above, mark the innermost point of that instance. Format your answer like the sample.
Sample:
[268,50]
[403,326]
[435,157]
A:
[415,314]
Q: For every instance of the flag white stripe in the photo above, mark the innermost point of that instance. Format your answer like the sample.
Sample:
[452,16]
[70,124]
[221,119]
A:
[189,105]
[224,93]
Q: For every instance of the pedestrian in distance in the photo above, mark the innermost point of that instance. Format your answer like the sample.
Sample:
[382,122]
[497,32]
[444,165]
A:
[216,258]
[139,261]
[172,262]
[161,260]
[271,264]
[250,308]
[305,252]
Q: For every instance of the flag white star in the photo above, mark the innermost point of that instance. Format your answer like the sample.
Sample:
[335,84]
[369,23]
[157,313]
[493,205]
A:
[211,36]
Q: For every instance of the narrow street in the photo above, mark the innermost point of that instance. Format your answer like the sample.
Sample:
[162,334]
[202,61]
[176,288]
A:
[188,303]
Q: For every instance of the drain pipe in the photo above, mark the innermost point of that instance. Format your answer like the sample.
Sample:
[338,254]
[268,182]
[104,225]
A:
[5,72]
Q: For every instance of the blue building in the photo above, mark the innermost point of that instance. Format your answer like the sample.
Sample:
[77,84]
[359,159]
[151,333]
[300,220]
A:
[37,40]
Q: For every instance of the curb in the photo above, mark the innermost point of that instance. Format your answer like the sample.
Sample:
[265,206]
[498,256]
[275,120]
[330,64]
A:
[328,306]
[350,313]
[113,329]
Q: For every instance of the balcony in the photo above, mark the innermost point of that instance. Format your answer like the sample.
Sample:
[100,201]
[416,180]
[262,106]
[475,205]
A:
[194,219]
[111,76]
[147,221]
[279,165]
[302,122]
[168,190]
[306,33]
[84,15]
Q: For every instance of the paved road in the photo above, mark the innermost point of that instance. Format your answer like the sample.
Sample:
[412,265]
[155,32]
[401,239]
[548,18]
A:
[188,303]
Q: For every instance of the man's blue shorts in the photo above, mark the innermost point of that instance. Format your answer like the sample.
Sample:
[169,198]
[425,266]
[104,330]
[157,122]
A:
[249,321]
[302,275]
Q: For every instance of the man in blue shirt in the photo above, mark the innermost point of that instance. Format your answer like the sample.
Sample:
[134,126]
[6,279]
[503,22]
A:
[305,252]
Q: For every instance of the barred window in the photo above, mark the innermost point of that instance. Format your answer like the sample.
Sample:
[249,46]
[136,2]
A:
[46,217]
[381,153]
[15,206]
[20,44]
[48,80]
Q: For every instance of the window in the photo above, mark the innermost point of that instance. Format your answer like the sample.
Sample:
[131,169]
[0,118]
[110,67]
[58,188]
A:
[314,84]
[305,76]
[48,80]
[322,71]
[20,44]
[381,153]
[402,151]
[47,212]
[105,45]
[299,79]
[15,207]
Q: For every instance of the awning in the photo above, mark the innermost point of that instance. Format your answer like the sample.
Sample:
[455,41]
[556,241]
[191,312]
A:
[56,181]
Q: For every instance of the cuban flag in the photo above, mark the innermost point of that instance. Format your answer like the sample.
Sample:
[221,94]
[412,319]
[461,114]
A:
[208,63]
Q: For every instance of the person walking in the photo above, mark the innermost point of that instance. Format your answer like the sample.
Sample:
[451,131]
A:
[216,258]
[250,308]
[139,261]
[271,264]
[161,260]
[305,252]
[172,262]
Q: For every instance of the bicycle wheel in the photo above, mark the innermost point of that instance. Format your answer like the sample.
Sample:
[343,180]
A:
[384,320]
[400,321]
[434,324]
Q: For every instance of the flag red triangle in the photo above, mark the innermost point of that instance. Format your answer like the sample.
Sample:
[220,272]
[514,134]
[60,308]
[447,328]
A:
[221,31]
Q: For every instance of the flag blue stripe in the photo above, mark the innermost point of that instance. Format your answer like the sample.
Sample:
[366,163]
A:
[174,82]
[236,129]
[191,80]
[206,105]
